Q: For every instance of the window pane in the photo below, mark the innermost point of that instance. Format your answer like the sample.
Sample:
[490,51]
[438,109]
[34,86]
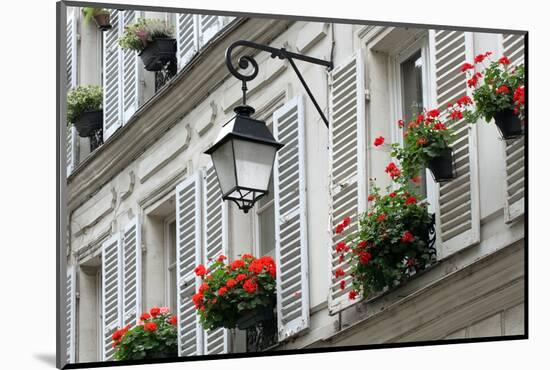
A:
[412,98]
[266,221]
[172,267]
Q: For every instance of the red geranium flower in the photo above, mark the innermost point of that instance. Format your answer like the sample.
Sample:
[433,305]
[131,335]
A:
[241,277]
[231,283]
[416,179]
[410,200]
[204,287]
[504,60]
[421,141]
[392,194]
[173,320]
[250,286]
[144,316]
[420,118]
[237,264]
[433,113]
[155,311]
[381,218]
[197,299]
[379,141]
[341,258]
[339,272]
[465,100]
[221,258]
[401,123]
[455,114]
[222,291]
[479,58]
[352,294]
[247,256]
[392,170]
[346,221]
[519,95]
[364,257]
[256,267]
[466,66]
[370,198]
[341,246]
[150,326]
[343,284]
[362,244]
[339,228]
[407,237]
[200,270]
[503,90]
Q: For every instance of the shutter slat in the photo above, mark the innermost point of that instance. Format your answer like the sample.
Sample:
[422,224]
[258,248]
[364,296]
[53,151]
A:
[188,255]
[111,262]
[187,38]
[111,77]
[291,245]
[131,279]
[215,244]
[70,310]
[457,213]
[514,150]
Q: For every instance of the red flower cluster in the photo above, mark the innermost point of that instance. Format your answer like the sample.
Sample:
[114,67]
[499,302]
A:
[400,123]
[472,82]
[466,66]
[341,226]
[503,90]
[465,100]
[250,286]
[392,170]
[150,326]
[504,60]
[407,237]
[352,294]
[379,141]
[422,141]
[119,334]
[410,200]
[481,57]
[339,272]
[200,270]
[364,257]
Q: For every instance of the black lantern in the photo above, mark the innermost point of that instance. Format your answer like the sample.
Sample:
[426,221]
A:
[243,158]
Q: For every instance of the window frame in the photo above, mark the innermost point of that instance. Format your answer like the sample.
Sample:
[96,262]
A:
[403,52]
[168,288]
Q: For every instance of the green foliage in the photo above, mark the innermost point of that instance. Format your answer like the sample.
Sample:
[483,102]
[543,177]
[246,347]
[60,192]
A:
[392,241]
[83,99]
[139,342]
[90,12]
[230,291]
[136,36]
[496,93]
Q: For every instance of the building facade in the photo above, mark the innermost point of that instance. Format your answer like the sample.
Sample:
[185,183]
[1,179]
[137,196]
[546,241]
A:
[144,206]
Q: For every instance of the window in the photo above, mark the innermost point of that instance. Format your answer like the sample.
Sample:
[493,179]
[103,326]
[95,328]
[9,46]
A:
[265,220]
[411,96]
[171,274]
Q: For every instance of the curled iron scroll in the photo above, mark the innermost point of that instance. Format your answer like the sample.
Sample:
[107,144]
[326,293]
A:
[244,62]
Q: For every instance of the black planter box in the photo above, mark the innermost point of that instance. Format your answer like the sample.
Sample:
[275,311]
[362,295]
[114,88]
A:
[157,53]
[251,318]
[442,166]
[509,124]
[89,122]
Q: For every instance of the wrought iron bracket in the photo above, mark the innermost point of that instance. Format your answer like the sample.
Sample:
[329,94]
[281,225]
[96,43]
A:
[245,61]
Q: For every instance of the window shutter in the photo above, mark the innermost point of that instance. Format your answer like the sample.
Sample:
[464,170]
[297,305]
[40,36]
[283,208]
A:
[514,49]
[457,214]
[111,76]
[72,149]
[209,25]
[70,313]
[111,266]
[348,186]
[187,38]
[131,267]
[188,228]
[71,56]
[130,78]
[215,244]
[291,247]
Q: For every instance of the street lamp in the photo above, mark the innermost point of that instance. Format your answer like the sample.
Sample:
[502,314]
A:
[244,152]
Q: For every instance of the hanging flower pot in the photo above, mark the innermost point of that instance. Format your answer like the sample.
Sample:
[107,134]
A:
[238,294]
[157,53]
[441,166]
[509,124]
[84,109]
[89,122]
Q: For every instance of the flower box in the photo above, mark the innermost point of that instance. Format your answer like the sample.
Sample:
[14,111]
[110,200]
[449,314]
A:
[250,318]
[509,124]
[157,53]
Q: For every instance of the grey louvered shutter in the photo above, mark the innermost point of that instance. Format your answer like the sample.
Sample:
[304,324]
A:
[187,38]
[131,276]
[347,165]
[130,72]
[209,25]
[457,213]
[72,149]
[111,267]
[291,240]
[70,314]
[514,48]
[111,77]
[188,256]
[215,244]
[71,57]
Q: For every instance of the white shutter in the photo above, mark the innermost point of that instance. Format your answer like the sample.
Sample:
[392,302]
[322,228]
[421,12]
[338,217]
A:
[71,57]
[514,150]
[457,213]
[188,230]
[215,244]
[111,77]
[291,246]
[209,25]
[131,277]
[348,185]
[70,313]
[130,79]
[187,38]
[111,267]
[72,149]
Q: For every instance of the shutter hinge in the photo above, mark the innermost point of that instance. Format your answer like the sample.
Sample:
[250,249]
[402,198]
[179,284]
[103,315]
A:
[367,94]
[77,295]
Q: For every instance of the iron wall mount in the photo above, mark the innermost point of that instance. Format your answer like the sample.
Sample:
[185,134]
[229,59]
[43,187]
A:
[246,61]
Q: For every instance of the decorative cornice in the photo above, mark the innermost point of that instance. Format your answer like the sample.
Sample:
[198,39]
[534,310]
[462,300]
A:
[192,85]
[96,220]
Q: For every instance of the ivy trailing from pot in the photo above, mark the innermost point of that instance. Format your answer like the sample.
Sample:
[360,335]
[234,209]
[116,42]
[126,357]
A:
[101,17]
[154,336]
[153,39]
[238,294]
[392,244]
[498,93]
[84,109]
